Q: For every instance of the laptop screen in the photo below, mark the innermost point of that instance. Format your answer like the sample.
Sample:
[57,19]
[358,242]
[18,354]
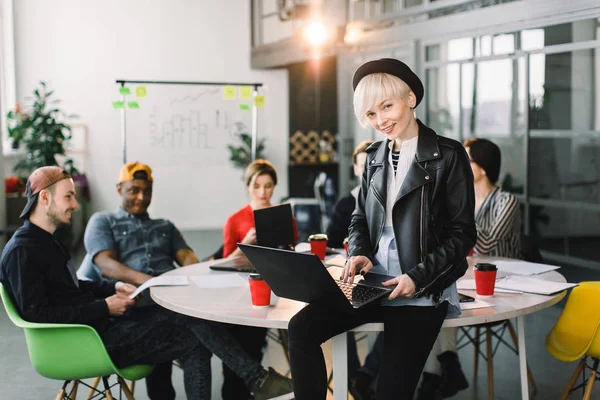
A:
[274,227]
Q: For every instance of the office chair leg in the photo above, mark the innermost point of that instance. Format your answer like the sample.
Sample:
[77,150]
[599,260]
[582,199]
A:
[73,394]
[62,392]
[93,388]
[125,389]
[131,386]
[573,379]
[476,353]
[107,392]
[490,363]
[283,338]
[591,380]
[513,335]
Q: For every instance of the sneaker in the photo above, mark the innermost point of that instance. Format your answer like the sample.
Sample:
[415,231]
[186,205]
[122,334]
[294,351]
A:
[430,388]
[453,377]
[275,386]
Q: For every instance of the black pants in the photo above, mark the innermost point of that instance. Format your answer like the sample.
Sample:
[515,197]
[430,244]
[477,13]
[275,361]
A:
[252,340]
[158,384]
[410,332]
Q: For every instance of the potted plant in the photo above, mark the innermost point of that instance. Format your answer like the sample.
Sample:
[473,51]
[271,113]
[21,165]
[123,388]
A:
[241,155]
[41,132]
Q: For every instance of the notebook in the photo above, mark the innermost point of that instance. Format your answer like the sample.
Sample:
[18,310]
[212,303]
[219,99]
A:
[303,277]
[274,228]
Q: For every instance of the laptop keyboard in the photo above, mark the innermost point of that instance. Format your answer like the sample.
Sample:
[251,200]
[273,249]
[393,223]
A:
[359,293]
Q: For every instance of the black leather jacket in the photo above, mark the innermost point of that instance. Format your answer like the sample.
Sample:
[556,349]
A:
[432,217]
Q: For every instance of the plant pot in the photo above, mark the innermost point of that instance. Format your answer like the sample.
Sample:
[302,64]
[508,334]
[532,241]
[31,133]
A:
[15,144]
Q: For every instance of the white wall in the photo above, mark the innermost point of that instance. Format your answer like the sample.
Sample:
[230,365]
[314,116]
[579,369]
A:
[81,47]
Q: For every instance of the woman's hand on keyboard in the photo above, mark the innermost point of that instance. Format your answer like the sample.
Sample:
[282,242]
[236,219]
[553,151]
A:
[354,264]
[405,286]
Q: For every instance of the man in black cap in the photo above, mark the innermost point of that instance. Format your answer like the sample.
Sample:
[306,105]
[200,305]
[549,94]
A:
[39,277]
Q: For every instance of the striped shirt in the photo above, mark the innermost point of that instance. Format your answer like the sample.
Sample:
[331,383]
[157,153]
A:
[395,158]
[498,222]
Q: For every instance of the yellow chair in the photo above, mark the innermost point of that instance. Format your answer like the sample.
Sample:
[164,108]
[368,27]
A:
[577,334]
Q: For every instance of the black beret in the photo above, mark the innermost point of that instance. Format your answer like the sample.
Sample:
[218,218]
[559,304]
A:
[393,67]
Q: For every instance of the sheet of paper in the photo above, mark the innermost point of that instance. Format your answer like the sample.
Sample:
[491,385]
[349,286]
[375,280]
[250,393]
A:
[471,305]
[522,267]
[302,247]
[167,280]
[469,284]
[337,261]
[532,285]
[219,281]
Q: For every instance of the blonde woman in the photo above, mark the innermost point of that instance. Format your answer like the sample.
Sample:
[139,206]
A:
[414,220]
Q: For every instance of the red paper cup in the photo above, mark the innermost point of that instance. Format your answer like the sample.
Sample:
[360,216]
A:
[318,245]
[260,292]
[484,282]
[346,246]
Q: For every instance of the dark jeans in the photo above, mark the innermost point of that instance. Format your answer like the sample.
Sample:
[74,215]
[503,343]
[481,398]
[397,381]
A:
[151,335]
[252,340]
[373,360]
[410,332]
[158,384]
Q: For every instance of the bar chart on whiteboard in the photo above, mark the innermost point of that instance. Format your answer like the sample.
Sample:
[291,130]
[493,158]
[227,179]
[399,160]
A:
[183,133]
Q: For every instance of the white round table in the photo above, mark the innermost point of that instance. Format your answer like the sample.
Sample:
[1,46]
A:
[232,305]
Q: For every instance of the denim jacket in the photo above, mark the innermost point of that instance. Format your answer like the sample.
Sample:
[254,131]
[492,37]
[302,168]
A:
[141,243]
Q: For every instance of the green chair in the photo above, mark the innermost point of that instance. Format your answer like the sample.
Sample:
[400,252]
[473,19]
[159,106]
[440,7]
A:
[70,353]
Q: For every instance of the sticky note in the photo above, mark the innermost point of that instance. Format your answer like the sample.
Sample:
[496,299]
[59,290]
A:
[245,92]
[259,101]
[244,106]
[118,104]
[140,91]
[124,90]
[229,92]
[133,104]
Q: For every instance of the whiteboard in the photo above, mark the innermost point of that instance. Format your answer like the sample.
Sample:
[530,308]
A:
[182,132]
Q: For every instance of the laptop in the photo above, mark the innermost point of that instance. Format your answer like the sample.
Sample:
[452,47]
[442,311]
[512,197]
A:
[274,228]
[303,277]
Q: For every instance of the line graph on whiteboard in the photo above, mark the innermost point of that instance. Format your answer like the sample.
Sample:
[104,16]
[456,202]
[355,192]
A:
[192,128]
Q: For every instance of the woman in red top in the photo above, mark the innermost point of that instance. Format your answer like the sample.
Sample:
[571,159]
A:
[260,180]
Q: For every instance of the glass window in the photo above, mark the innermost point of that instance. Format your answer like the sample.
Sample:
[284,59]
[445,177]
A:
[567,231]
[562,93]
[487,98]
[432,52]
[565,168]
[460,49]
[503,44]
[532,39]
[443,110]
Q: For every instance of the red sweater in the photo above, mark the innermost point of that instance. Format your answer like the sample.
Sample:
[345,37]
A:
[238,225]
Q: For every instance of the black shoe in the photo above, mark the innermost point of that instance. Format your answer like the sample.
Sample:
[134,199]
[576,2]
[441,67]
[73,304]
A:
[453,377]
[360,386]
[431,386]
